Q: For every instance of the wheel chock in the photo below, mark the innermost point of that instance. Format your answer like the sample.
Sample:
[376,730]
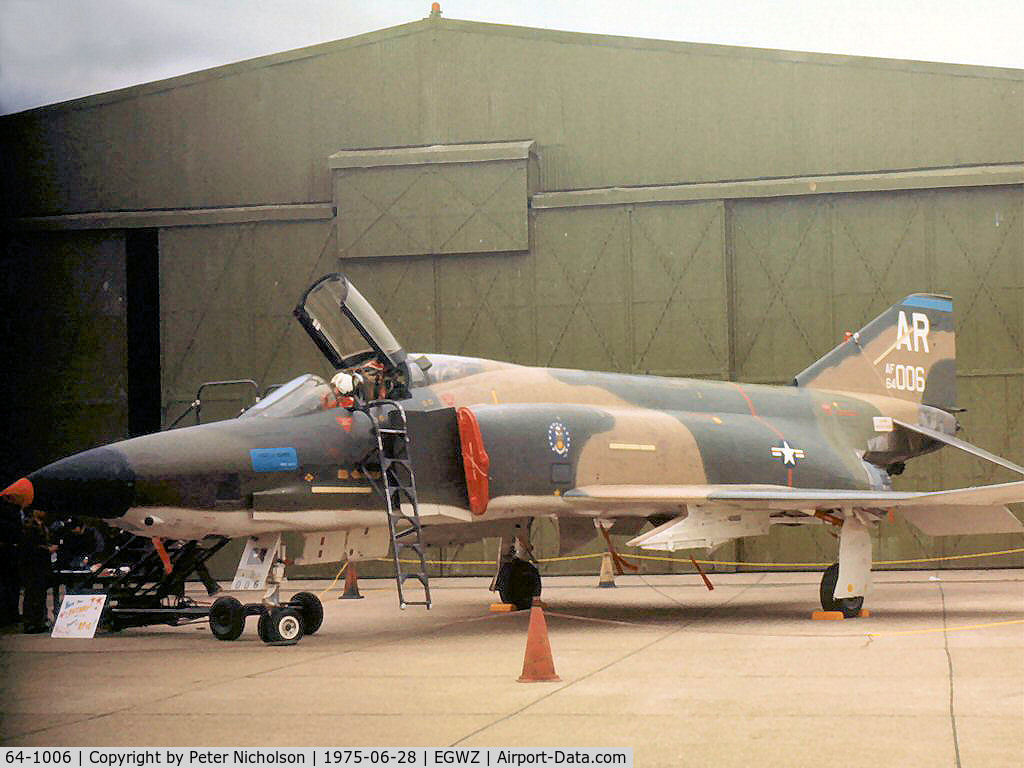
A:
[351,584]
[838,615]
[538,666]
[502,607]
[607,577]
[827,616]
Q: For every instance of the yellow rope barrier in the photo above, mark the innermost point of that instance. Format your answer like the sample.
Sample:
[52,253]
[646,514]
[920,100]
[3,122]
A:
[563,558]
[337,576]
[946,629]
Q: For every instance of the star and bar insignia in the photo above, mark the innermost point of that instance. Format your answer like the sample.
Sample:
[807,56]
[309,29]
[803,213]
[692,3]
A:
[787,453]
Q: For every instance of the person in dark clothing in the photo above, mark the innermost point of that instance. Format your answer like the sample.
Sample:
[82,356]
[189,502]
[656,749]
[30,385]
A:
[82,545]
[10,580]
[79,547]
[36,568]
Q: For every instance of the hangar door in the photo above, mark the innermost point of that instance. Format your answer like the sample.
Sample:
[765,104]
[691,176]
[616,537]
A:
[633,288]
[442,199]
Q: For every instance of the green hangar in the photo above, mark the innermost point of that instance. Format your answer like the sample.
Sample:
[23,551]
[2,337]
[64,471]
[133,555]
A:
[549,198]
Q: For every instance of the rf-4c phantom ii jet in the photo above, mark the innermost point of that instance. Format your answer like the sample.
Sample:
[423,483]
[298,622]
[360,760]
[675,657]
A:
[400,451]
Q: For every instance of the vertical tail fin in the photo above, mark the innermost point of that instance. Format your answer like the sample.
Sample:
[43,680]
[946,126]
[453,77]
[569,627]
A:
[908,352]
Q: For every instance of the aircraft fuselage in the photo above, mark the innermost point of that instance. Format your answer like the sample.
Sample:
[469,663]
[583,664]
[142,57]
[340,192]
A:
[546,431]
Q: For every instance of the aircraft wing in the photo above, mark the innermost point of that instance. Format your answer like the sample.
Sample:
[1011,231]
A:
[779,497]
[719,513]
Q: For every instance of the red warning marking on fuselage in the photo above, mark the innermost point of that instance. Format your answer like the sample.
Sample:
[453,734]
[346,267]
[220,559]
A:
[756,415]
[345,422]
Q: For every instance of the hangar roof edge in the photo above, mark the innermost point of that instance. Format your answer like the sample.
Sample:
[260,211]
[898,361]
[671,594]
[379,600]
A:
[509,30]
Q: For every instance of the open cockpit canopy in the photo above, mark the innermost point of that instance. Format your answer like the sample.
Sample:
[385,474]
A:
[347,330]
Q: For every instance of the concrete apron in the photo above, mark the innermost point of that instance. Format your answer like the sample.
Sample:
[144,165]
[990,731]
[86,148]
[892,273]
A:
[683,675]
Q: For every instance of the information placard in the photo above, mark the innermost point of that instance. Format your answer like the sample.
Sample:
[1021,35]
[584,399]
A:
[258,557]
[79,616]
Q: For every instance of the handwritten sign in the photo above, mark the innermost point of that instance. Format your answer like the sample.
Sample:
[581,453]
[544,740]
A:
[79,616]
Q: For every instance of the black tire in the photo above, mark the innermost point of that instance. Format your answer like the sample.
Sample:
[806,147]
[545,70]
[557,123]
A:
[519,584]
[281,626]
[311,609]
[227,618]
[286,626]
[827,591]
[263,628]
[848,606]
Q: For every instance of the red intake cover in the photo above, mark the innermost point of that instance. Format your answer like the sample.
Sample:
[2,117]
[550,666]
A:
[474,460]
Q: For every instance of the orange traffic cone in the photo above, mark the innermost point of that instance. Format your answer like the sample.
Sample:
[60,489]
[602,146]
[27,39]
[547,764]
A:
[351,584]
[538,666]
[607,577]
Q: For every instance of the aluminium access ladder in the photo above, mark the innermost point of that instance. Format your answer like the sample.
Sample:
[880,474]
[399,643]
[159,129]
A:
[398,487]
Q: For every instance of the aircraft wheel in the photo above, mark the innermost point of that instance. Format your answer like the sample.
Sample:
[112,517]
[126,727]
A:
[829,579]
[521,583]
[280,626]
[227,618]
[848,606]
[311,610]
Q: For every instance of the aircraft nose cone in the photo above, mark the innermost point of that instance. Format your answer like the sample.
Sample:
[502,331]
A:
[95,483]
[19,492]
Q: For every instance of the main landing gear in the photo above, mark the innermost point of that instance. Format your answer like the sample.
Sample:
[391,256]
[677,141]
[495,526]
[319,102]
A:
[844,584]
[848,606]
[517,580]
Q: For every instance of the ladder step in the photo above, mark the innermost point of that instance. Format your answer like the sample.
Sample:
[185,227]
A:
[414,525]
[398,487]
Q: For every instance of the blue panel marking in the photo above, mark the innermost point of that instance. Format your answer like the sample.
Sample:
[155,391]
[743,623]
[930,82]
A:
[925,302]
[273,459]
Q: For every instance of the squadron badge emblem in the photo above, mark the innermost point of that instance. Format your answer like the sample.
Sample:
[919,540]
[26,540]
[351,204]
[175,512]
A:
[559,439]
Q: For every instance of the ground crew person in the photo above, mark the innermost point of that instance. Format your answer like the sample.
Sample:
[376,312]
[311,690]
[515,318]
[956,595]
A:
[79,547]
[36,570]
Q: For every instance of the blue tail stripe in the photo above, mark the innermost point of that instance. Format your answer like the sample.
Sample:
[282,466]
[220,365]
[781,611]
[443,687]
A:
[927,302]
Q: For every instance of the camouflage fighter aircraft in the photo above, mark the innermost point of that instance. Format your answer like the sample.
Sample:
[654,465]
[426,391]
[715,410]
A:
[400,451]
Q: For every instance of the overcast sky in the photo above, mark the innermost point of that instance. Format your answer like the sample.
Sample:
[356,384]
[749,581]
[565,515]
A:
[54,50]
